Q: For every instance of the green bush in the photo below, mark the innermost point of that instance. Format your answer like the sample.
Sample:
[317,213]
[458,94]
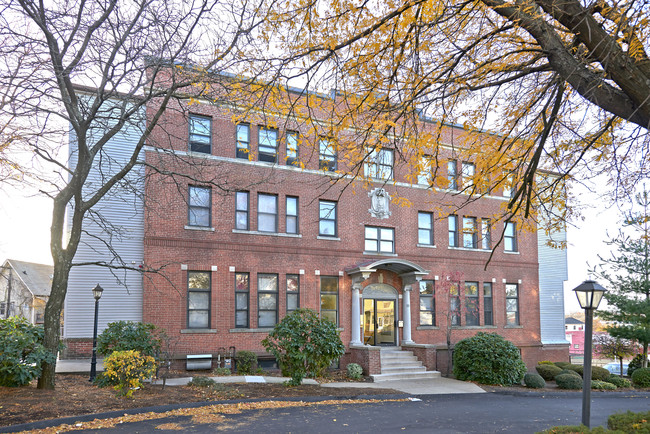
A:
[600,373]
[534,381]
[221,372]
[246,362]
[548,372]
[489,359]
[602,385]
[641,377]
[127,369]
[630,422]
[569,372]
[355,371]
[201,382]
[619,381]
[545,362]
[304,345]
[130,336]
[575,368]
[22,353]
[635,363]
[568,381]
[562,365]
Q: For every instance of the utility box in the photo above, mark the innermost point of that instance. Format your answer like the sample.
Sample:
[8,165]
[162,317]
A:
[197,362]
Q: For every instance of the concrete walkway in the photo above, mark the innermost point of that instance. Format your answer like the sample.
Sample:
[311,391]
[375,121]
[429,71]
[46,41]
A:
[432,386]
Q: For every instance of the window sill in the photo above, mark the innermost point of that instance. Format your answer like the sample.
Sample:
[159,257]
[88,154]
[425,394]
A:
[427,328]
[323,237]
[198,331]
[393,255]
[428,246]
[508,252]
[198,228]
[513,327]
[247,330]
[268,234]
[467,249]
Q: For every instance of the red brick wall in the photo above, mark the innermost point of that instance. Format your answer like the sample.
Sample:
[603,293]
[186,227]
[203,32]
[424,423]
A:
[80,348]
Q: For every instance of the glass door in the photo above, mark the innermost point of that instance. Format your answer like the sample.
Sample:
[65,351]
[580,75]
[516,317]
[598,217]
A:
[378,322]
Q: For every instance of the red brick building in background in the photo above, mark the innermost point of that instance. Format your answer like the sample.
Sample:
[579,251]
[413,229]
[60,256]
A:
[261,224]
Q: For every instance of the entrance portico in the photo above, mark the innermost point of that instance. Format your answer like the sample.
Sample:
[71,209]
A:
[410,274]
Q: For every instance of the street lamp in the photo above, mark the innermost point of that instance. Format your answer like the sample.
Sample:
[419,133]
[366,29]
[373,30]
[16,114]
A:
[589,294]
[97,293]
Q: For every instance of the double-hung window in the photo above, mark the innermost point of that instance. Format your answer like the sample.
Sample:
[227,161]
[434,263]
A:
[469,232]
[292,149]
[329,298]
[267,212]
[327,154]
[242,292]
[453,230]
[267,142]
[454,303]
[293,292]
[512,304]
[510,237]
[452,175]
[243,141]
[379,164]
[327,218]
[241,210]
[292,215]
[199,209]
[427,303]
[381,240]
[200,134]
[425,175]
[468,170]
[425,228]
[198,300]
[488,318]
[486,234]
[267,300]
[471,304]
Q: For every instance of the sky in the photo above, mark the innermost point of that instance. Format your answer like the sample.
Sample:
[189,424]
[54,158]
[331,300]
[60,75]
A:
[25,218]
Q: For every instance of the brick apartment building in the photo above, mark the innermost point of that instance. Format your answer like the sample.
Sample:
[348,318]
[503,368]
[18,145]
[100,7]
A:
[274,232]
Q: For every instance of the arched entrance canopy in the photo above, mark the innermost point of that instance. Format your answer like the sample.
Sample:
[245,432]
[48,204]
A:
[401,267]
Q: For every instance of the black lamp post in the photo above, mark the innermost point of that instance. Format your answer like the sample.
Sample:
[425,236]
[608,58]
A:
[589,294]
[97,293]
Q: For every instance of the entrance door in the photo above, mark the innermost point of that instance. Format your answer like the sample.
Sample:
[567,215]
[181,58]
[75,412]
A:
[378,322]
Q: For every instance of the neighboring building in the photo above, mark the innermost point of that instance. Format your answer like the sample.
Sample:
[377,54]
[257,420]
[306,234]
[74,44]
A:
[283,236]
[575,334]
[24,289]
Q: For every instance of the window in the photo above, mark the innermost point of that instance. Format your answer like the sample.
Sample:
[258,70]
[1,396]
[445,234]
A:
[425,228]
[512,304]
[241,210]
[3,309]
[243,141]
[508,186]
[469,232]
[486,234]
[427,303]
[576,346]
[200,136]
[471,304]
[327,154]
[198,300]
[242,291]
[267,300]
[267,213]
[292,215]
[329,298]
[379,164]
[488,318]
[510,238]
[293,292]
[198,212]
[468,170]
[380,240]
[454,304]
[453,230]
[267,144]
[452,175]
[425,176]
[327,219]
[292,149]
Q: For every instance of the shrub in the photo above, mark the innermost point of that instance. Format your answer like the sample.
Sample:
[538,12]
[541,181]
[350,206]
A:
[619,381]
[548,372]
[130,336]
[246,362]
[562,365]
[577,429]
[568,381]
[575,368]
[641,377]
[545,362]
[355,371]
[221,372]
[600,373]
[635,363]
[602,385]
[22,353]
[534,381]
[201,382]
[489,359]
[630,422]
[569,372]
[304,344]
[127,369]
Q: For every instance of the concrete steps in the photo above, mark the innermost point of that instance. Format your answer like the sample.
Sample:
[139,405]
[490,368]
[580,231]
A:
[397,364]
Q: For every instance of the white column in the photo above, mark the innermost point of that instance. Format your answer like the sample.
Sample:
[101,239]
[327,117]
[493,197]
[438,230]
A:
[406,315]
[356,316]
